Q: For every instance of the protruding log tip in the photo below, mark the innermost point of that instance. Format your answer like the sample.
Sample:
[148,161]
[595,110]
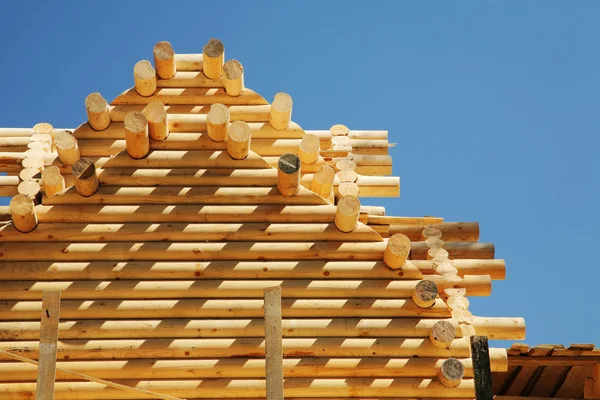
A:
[43,127]
[432,231]
[30,189]
[233,77]
[425,293]
[164,60]
[53,181]
[346,214]
[212,58]
[214,48]
[23,213]
[67,148]
[451,373]
[308,150]
[144,77]
[218,122]
[339,130]
[348,188]
[322,183]
[238,143]
[345,164]
[281,111]
[288,175]
[137,140]
[397,251]
[36,163]
[442,334]
[86,181]
[289,163]
[156,116]
[97,111]
[347,175]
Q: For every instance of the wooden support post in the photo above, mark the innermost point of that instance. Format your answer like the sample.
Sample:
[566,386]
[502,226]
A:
[86,180]
[233,77]
[308,150]
[53,181]
[67,148]
[480,353]
[238,143]
[23,213]
[346,214]
[48,339]
[442,334]
[97,111]
[164,60]
[451,373]
[425,294]
[137,141]
[158,125]
[288,174]
[281,111]
[273,344]
[322,183]
[397,251]
[212,58]
[144,78]
[217,122]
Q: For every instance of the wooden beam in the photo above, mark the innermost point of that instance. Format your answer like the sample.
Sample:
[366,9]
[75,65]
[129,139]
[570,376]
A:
[191,96]
[480,353]
[596,380]
[48,345]
[273,344]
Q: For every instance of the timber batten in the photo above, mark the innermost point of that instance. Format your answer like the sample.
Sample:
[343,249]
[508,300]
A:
[172,209]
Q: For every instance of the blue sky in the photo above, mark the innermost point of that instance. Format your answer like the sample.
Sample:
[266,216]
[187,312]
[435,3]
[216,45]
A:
[494,106]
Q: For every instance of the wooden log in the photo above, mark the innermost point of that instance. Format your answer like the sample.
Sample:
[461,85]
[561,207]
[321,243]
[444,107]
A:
[288,175]
[67,148]
[322,183]
[451,231]
[345,164]
[281,111]
[397,251]
[191,96]
[17,141]
[273,344]
[481,367]
[53,181]
[495,268]
[86,181]
[347,175]
[23,213]
[189,79]
[196,114]
[346,215]
[43,127]
[218,122]
[213,55]
[442,334]
[164,60]
[30,189]
[308,150]
[238,142]
[158,126]
[348,189]
[254,327]
[425,294]
[42,137]
[48,339]
[136,135]
[144,78]
[188,62]
[451,373]
[339,130]
[97,111]
[40,145]
[233,78]
[35,163]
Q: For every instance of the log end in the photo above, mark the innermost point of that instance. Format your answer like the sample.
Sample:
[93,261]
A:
[451,373]
[397,251]
[339,130]
[309,147]
[442,334]
[23,213]
[425,294]
[214,48]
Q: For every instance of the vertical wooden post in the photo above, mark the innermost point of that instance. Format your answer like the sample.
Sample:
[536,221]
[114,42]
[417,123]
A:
[48,339]
[480,353]
[273,344]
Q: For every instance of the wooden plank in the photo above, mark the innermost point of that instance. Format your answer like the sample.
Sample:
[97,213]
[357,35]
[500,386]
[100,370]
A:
[273,344]
[574,383]
[554,361]
[48,345]
[596,381]
[191,96]
[480,353]
[549,381]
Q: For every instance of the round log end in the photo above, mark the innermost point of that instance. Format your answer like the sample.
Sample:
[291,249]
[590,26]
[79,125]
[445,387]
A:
[36,163]
[23,213]
[451,373]
[218,114]
[437,252]
[425,293]
[348,188]
[240,131]
[397,251]
[43,127]
[345,164]
[163,51]
[143,70]
[347,175]
[53,181]
[35,153]
[136,122]
[83,168]
[322,183]
[144,77]
[214,48]
[289,163]
[30,189]
[45,147]
[95,103]
[282,102]
[309,147]
[164,60]
[238,143]
[432,231]
[233,77]
[30,174]
[442,334]
[339,130]
[346,214]
[154,112]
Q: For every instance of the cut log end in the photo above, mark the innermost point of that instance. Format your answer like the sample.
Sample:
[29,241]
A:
[43,127]
[281,111]
[23,213]
[432,232]
[442,334]
[348,188]
[67,148]
[97,111]
[339,130]
[218,122]
[347,175]
[144,77]
[288,175]
[157,120]
[451,373]
[322,183]
[425,294]
[397,251]
[30,189]
[135,122]
[214,48]
[346,214]
[95,103]
[137,140]
[36,163]
[163,51]
[164,60]
[86,181]
[53,181]
[213,57]
[238,143]
[309,147]
[233,77]
[345,164]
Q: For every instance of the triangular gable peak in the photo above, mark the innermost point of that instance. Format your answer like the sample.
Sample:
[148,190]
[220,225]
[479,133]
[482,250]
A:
[162,249]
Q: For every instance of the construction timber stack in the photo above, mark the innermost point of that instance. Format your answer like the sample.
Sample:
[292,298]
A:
[163,219]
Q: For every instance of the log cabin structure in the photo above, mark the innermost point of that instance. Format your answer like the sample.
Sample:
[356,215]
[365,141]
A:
[141,250]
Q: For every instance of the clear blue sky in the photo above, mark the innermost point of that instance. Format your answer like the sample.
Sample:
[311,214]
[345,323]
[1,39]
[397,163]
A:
[494,106]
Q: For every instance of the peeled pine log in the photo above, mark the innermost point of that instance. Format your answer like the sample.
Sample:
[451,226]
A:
[281,111]
[23,213]
[213,55]
[9,185]
[497,327]
[238,142]
[322,183]
[308,150]
[233,78]
[288,175]
[158,126]
[136,135]
[197,96]
[451,231]
[144,78]
[53,181]
[346,215]
[30,189]
[164,60]
[67,148]
[425,294]
[442,334]
[218,122]
[339,130]
[189,79]
[451,373]
[223,308]
[188,62]
[348,189]
[97,111]
[495,268]
[347,175]
[397,251]
[86,181]
[195,114]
